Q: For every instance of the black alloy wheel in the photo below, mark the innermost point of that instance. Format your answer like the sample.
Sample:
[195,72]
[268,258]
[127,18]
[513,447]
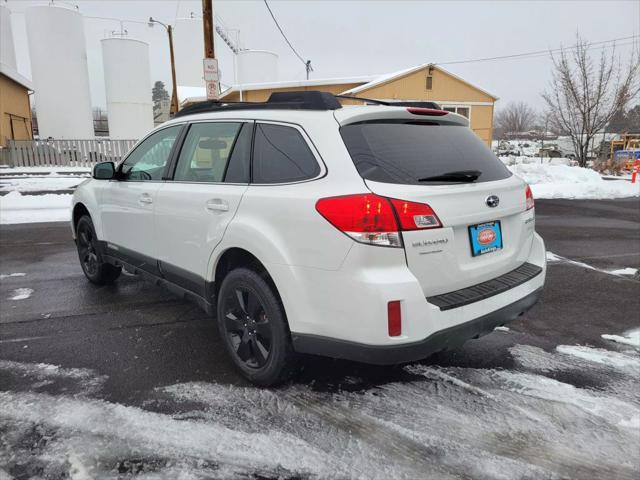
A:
[87,249]
[247,327]
[253,326]
[93,266]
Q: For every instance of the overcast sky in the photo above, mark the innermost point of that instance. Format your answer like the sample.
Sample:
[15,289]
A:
[353,38]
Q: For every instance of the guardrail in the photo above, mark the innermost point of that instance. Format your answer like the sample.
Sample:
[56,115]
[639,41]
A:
[75,153]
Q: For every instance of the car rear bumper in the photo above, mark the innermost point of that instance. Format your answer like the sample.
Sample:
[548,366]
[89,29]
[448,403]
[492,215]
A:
[445,339]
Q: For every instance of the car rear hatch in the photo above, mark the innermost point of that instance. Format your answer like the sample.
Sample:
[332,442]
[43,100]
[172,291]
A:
[485,229]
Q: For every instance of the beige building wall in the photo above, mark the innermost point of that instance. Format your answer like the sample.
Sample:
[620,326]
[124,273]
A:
[447,90]
[451,92]
[15,111]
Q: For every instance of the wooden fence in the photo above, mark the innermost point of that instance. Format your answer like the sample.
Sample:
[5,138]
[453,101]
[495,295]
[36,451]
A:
[73,153]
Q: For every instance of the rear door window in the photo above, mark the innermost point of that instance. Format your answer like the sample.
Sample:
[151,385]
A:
[411,153]
[206,151]
[281,155]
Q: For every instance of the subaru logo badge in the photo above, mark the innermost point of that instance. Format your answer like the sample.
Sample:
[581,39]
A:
[492,201]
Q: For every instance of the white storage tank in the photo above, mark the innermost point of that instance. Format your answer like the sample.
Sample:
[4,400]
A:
[58,54]
[188,43]
[127,80]
[257,66]
[7,50]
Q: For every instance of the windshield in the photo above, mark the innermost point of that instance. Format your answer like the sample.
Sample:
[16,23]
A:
[420,153]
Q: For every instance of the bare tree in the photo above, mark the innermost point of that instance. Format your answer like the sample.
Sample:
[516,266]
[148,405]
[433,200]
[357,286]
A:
[585,93]
[515,117]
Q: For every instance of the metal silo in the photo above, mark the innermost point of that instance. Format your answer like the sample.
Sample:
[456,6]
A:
[127,80]
[257,66]
[58,54]
[7,50]
[189,48]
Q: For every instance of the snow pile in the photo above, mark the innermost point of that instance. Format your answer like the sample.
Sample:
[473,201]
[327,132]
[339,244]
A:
[30,183]
[562,181]
[632,337]
[17,208]
[45,170]
[510,160]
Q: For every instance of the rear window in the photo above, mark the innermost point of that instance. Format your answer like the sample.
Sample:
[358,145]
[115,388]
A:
[411,153]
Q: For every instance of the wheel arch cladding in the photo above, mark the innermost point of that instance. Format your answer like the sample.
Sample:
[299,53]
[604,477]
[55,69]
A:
[236,257]
[79,210]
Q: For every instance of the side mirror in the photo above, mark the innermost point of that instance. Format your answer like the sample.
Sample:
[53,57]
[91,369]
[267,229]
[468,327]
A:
[104,171]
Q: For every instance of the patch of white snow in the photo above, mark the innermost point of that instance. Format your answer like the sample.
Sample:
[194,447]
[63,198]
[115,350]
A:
[21,294]
[631,337]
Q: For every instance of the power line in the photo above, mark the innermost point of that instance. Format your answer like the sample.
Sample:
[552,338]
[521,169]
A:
[539,53]
[307,63]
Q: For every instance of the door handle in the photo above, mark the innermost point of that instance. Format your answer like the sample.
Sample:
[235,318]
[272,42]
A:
[145,198]
[217,205]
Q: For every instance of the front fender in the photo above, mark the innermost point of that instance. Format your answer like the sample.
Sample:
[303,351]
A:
[88,193]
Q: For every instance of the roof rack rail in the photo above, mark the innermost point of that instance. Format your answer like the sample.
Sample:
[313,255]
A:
[307,100]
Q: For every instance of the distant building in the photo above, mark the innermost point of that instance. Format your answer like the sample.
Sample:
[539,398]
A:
[15,110]
[420,83]
[161,112]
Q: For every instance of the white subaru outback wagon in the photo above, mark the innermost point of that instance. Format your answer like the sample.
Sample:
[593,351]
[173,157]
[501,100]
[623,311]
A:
[376,233]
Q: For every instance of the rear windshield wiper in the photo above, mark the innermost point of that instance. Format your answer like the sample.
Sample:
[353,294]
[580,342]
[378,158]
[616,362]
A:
[457,176]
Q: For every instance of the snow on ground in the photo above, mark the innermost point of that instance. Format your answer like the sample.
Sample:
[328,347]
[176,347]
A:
[631,337]
[18,208]
[624,271]
[620,272]
[38,184]
[10,275]
[28,200]
[432,422]
[44,170]
[555,180]
[599,355]
[21,294]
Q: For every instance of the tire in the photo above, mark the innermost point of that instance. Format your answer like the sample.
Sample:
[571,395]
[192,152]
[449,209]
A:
[253,327]
[90,256]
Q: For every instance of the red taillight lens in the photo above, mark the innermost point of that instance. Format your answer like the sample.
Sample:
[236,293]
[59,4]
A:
[372,219]
[426,111]
[415,216]
[529,198]
[366,218]
[394,318]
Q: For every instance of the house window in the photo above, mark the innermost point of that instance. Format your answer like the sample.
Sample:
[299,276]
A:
[464,111]
[429,82]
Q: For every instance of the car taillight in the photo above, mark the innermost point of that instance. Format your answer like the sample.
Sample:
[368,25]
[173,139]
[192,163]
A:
[529,198]
[372,219]
[415,216]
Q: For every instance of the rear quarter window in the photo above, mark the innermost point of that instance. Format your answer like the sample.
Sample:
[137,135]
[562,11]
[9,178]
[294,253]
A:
[281,155]
[404,153]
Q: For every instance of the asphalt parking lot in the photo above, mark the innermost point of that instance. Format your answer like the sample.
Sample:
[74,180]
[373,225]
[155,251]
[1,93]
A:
[126,379]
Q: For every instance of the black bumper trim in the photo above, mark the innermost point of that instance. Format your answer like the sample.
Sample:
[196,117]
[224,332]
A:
[446,339]
[495,286]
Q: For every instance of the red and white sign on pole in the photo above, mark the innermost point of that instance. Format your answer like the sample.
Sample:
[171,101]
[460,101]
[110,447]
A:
[211,77]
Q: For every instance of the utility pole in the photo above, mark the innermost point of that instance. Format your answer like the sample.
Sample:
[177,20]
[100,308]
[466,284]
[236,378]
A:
[207,25]
[174,94]
[210,64]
